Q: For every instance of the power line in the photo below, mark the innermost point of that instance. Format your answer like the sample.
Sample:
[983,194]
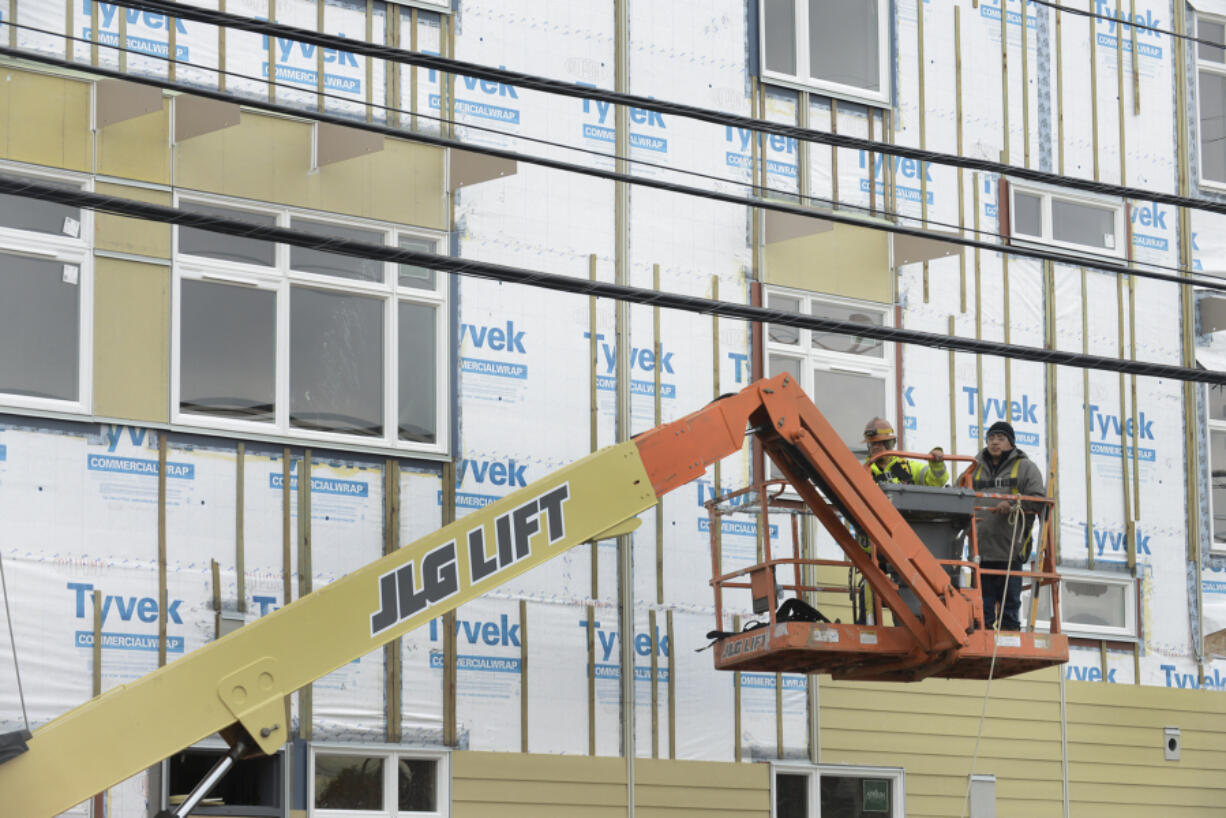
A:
[551,86]
[584,286]
[1076,260]
[1087,258]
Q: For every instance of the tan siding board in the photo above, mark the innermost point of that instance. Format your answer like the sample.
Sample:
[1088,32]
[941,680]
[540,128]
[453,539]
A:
[890,723]
[537,767]
[702,774]
[131,340]
[135,236]
[137,148]
[847,261]
[46,120]
[505,790]
[268,159]
[464,810]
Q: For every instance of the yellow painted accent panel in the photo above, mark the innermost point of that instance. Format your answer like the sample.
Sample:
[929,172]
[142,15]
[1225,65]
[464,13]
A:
[137,148]
[131,340]
[45,120]
[73,756]
[136,236]
[853,262]
[268,159]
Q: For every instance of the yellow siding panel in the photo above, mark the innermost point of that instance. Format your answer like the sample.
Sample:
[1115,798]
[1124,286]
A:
[515,784]
[137,148]
[45,120]
[268,159]
[849,261]
[136,236]
[131,340]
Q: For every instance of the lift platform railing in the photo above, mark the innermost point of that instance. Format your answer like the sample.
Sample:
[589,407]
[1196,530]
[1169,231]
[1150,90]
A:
[879,652]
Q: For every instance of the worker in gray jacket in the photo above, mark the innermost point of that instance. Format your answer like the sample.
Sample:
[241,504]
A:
[1004,535]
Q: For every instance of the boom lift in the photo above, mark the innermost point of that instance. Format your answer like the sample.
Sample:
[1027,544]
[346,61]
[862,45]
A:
[239,684]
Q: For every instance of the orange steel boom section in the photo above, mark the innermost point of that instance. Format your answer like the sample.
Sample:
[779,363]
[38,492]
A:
[945,637]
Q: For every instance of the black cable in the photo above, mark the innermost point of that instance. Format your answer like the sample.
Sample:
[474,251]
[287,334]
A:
[551,86]
[1140,26]
[1075,260]
[585,286]
[872,212]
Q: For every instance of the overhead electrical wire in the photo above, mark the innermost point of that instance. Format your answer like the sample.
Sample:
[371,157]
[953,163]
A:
[1024,251]
[1088,258]
[584,286]
[1130,24]
[551,86]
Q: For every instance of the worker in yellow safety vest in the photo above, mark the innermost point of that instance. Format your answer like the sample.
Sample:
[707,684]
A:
[880,437]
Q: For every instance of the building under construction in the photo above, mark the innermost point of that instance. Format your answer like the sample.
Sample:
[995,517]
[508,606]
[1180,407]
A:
[582,221]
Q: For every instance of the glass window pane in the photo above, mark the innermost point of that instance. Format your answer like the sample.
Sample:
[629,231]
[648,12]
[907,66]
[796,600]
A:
[1213,126]
[843,43]
[1216,398]
[39,327]
[779,333]
[779,30]
[1083,223]
[417,377]
[305,260]
[24,213]
[848,344]
[856,797]
[415,779]
[1208,30]
[860,397]
[417,277]
[196,242]
[1093,603]
[1217,481]
[348,782]
[791,796]
[336,362]
[227,350]
[1027,214]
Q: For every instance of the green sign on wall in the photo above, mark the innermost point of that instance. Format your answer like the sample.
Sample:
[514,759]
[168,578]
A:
[876,795]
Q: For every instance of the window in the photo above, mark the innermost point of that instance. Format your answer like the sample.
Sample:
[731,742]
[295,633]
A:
[826,791]
[859,370]
[1053,217]
[45,299]
[1211,97]
[1093,604]
[838,48]
[308,342]
[377,782]
[253,786]
[1215,401]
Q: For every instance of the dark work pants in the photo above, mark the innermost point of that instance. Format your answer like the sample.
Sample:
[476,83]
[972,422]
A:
[994,592]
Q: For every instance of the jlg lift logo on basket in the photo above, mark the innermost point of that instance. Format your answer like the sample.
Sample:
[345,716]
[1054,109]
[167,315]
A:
[437,573]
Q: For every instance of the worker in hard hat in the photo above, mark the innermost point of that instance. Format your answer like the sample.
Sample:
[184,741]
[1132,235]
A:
[880,437]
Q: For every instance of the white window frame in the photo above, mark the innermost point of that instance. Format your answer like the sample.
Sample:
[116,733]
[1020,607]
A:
[1212,68]
[897,776]
[811,358]
[1130,630]
[440,6]
[281,279]
[1212,425]
[389,753]
[801,79]
[65,250]
[1046,193]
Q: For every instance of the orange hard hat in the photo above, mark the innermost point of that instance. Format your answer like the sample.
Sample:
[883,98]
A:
[877,430]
